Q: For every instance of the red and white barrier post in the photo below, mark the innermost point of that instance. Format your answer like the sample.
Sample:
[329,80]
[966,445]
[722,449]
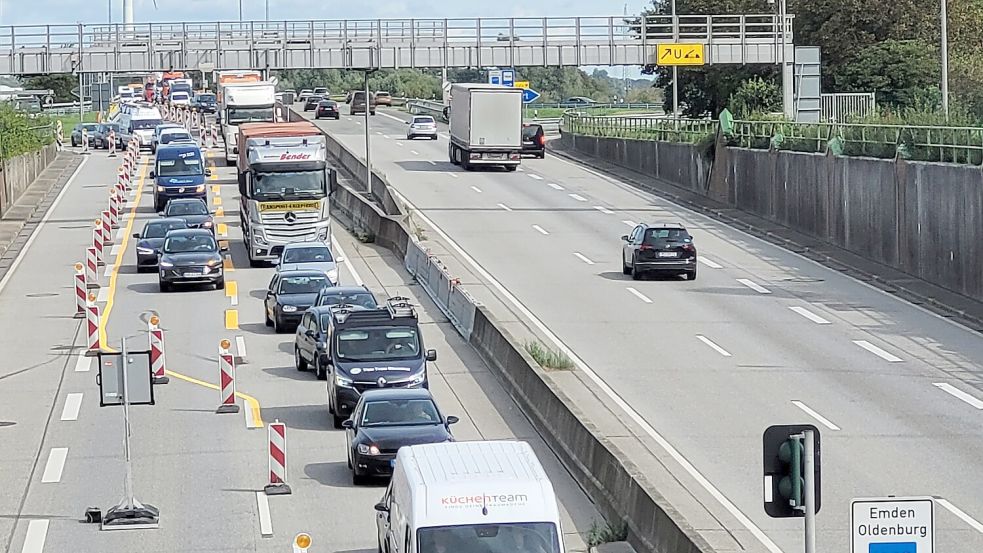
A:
[97,242]
[91,269]
[112,143]
[107,228]
[227,379]
[92,325]
[156,335]
[278,460]
[113,208]
[81,291]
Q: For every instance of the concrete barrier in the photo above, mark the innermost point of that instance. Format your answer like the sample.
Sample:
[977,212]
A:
[19,172]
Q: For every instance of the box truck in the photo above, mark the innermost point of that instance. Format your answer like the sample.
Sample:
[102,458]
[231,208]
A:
[485,126]
[243,103]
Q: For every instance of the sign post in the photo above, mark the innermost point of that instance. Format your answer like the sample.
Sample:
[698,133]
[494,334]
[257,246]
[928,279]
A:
[892,525]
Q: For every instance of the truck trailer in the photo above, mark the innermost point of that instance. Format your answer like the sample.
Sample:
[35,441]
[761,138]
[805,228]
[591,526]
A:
[485,126]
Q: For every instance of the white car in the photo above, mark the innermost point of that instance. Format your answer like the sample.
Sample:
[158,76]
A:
[422,125]
[180,98]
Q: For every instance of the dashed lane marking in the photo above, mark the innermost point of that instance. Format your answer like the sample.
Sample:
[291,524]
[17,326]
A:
[890,358]
[83,364]
[713,345]
[232,292]
[265,520]
[73,404]
[55,465]
[37,531]
[710,263]
[222,229]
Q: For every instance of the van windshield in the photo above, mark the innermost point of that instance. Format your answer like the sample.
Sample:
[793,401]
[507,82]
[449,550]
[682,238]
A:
[520,537]
[378,343]
[144,124]
[245,115]
[180,167]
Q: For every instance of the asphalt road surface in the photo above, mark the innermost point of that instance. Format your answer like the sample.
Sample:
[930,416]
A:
[62,453]
[762,337]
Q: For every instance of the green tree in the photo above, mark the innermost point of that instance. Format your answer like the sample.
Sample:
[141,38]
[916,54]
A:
[756,96]
[61,84]
[902,73]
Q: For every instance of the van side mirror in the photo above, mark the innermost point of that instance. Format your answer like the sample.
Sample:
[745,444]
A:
[624,238]
[208,172]
[153,174]
[339,259]
[348,423]
[381,507]
[223,248]
[452,419]
[431,355]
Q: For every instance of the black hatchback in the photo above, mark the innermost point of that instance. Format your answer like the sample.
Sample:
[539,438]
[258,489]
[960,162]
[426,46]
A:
[327,108]
[534,140]
[312,102]
[662,248]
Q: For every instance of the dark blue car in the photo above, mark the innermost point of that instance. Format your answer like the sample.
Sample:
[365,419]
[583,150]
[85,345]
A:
[179,172]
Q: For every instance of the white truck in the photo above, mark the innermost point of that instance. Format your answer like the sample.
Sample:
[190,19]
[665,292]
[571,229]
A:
[485,126]
[244,103]
[284,182]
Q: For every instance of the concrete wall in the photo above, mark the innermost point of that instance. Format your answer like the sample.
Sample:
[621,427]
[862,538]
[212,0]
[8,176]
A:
[925,219]
[18,173]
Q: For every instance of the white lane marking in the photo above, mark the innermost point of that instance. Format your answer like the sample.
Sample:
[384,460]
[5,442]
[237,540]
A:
[109,270]
[241,346]
[506,208]
[809,315]
[37,531]
[34,236]
[265,520]
[55,465]
[114,251]
[83,364]
[639,295]
[555,186]
[603,209]
[601,384]
[447,137]
[754,286]
[537,177]
[394,118]
[812,413]
[540,229]
[348,262]
[629,223]
[583,258]
[103,295]
[386,136]
[378,132]
[957,393]
[73,404]
[975,524]
[234,298]
[709,263]
[432,162]
[521,170]
[453,175]
[348,118]
[578,197]
[710,343]
[476,189]
[400,144]
[877,351]
[119,235]
[358,122]
[414,152]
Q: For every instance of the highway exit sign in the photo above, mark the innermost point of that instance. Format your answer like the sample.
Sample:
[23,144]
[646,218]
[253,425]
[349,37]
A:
[892,525]
[681,54]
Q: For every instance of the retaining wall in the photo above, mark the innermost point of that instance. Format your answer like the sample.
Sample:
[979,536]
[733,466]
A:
[18,173]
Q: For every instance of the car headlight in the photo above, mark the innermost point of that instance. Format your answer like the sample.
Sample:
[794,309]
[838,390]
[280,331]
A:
[206,224]
[322,234]
[342,381]
[364,449]
[212,262]
[418,379]
[166,265]
[161,189]
[289,308]
[200,188]
[145,251]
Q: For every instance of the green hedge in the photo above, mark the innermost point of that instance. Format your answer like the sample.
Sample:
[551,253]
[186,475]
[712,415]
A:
[21,134]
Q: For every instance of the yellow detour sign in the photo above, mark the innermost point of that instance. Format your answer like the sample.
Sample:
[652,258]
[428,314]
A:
[521,84]
[681,54]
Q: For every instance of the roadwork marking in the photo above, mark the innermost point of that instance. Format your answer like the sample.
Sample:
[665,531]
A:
[809,315]
[231,319]
[890,358]
[241,347]
[603,209]
[709,263]
[37,531]
[265,520]
[475,188]
[232,292]
[55,465]
[555,186]
[227,265]
[217,189]
[959,394]
[578,197]
[220,212]
[713,345]
[222,229]
[216,200]
[583,258]
[108,273]
[639,295]
[975,524]
[540,229]
[73,404]
[754,286]
[114,251]
[533,176]
[506,208]
[812,413]
[83,364]
[254,408]
[629,223]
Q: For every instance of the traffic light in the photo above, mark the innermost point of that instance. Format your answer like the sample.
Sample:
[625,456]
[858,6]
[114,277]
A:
[784,470]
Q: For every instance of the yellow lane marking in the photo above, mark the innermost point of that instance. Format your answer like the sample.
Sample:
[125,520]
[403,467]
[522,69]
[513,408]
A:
[231,319]
[223,244]
[216,189]
[227,264]
[231,289]
[223,229]
[220,212]
[104,318]
[216,200]
[254,407]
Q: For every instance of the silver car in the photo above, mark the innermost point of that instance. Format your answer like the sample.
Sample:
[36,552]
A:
[309,256]
[422,125]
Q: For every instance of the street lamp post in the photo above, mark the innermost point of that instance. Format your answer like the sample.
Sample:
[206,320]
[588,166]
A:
[240,10]
[675,69]
[945,58]
[267,11]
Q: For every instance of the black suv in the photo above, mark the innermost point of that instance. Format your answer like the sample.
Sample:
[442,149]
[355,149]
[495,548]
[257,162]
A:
[533,140]
[366,349]
[661,247]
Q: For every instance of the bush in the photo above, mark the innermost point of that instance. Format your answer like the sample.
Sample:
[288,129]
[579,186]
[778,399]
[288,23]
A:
[606,533]
[20,134]
[547,358]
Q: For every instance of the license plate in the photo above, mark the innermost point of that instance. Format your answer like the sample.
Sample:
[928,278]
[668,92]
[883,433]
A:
[494,156]
[392,463]
[667,254]
[192,275]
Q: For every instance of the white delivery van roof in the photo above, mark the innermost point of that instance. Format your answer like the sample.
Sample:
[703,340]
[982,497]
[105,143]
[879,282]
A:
[280,153]
[454,481]
[249,94]
[145,113]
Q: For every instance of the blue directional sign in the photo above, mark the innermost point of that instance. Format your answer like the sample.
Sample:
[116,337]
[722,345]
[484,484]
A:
[508,77]
[529,95]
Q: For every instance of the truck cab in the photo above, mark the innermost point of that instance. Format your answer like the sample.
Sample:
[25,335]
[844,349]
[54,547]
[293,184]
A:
[179,172]
[244,103]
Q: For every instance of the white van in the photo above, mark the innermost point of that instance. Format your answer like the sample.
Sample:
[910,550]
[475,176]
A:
[180,98]
[454,497]
[140,122]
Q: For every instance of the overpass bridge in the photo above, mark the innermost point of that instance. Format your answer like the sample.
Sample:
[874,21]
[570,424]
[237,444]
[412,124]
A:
[388,43]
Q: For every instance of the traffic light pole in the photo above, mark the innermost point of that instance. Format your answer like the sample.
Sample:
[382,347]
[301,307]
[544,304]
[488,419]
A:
[810,491]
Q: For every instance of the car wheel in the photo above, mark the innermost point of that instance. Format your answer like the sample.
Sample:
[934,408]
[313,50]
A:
[220,285]
[350,466]
[277,325]
[75,143]
[337,420]
[330,400]
[299,361]
[319,371]
[542,155]
[266,316]
[635,273]
[691,275]
[165,286]
[625,269]
[511,168]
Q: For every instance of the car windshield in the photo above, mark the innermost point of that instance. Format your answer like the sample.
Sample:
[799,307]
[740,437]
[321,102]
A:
[516,537]
[205,98]
[423,120]
[144,124]
[378,343]
[327,104]
[245,115]
[168,137]
[88,126]
[159,229]
[396,412]
[302,284]
[307,254]
[190,243]
[180,167]
[657,235]
[530,131]
[161,128]
[361,299]
[278,185]
[177,209]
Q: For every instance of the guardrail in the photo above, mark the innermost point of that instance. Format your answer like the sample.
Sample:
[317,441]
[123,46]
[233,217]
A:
[64,108]
[640,128]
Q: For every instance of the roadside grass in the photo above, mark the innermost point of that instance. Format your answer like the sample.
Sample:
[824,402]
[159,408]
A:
[606,533]
[548,358]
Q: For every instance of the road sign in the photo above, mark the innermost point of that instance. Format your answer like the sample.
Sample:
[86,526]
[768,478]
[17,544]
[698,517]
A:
[494,76]
[681,54]
[508,77]
[138,376]
[521,84]
[529,95]
[892,525]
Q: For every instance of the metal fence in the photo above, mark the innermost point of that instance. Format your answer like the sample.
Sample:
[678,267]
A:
[840,106]
[640,128]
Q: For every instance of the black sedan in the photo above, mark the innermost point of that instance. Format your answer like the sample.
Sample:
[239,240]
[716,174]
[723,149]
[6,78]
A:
[358,296]
[193,210]
[100,139]
[190,256]
[289,295]
[327,108]
[152,238]
[385,420]
[90,128]
[312,102]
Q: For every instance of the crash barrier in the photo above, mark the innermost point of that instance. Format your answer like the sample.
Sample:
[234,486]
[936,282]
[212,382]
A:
[619,490]
[81,291]
[107,229]
[113,209]
[278,460]
[227,379]
[453,300]
[97,243]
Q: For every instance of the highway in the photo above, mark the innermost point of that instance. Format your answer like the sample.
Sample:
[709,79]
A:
[762,337]
[62,453]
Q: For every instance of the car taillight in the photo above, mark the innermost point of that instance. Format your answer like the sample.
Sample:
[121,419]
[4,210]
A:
[646,247]
[689,247]
[542,140]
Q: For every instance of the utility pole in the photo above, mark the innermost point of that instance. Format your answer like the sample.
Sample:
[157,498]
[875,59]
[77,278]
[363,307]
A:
[945,58]
[240,10]
[368,141]
[675,70]
[267,11]
[809,470]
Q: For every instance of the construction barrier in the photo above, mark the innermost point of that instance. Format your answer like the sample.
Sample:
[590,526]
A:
[107,229]
[92,325]
[227,379]
[85,141]
[91,269]
[112,143]
[156,336]
[81,291]
[278,460]
[113,209]
[97,243]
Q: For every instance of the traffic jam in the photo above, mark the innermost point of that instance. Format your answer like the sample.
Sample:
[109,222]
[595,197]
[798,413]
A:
[366,350]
